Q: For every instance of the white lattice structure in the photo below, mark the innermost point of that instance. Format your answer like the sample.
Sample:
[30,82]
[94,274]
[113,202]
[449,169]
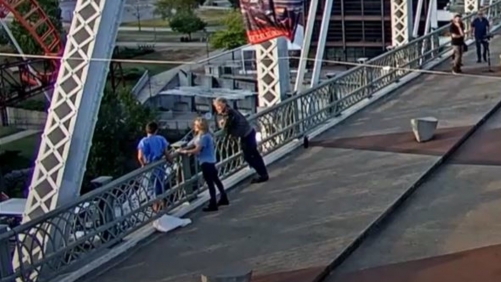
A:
[72,115]
[272,71]
[471,6]
[401,22]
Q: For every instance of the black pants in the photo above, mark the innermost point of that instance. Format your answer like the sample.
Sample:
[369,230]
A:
[482,46]
[252,155]
[209,171]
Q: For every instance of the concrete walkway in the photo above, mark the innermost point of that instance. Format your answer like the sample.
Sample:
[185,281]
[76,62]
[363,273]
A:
[17,136]
[321,199]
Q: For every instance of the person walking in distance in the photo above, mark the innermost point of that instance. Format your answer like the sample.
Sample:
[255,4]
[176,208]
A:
[480,29]
[457,42]
[204,148]
[236,125]
[150,149]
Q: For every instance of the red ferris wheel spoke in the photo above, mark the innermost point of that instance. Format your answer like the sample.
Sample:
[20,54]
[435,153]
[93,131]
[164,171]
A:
[38,25]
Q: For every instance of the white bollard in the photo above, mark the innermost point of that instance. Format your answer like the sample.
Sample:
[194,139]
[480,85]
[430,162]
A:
[424,128]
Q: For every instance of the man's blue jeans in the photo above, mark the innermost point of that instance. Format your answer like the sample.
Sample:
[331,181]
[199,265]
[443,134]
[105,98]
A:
[481,43]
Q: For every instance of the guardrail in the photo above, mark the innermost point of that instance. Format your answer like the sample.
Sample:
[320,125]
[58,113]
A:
[76,233]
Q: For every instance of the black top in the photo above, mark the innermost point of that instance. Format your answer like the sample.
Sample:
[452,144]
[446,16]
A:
[236,124]
[456,41]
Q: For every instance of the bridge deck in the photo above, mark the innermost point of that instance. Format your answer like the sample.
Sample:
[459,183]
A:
[320,199]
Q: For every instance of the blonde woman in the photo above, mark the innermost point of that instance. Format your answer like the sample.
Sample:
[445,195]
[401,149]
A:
[203,147]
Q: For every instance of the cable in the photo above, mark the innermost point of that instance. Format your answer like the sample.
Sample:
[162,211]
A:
[166,62]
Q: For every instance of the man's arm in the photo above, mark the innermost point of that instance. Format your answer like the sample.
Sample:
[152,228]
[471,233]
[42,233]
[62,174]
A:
[140,158]
[167,154]
[452,30]
[140,153]
[228,120]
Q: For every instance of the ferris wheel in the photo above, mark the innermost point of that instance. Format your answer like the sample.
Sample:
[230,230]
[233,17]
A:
[22,79]
[29,80]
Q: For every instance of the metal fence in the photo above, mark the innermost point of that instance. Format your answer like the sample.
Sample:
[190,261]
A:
[74,234]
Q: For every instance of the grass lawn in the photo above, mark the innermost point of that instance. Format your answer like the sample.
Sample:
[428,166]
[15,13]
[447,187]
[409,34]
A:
[171,54]
[7,130]
[27,148]
[211,17]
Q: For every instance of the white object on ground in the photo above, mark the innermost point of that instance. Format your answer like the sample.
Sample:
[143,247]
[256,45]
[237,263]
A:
[424,128]
[167,223]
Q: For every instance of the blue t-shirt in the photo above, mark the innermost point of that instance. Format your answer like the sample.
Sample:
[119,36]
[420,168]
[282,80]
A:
[481,26]
[207,152]
[153,148]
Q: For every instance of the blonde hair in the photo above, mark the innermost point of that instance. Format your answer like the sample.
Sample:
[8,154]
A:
[203,125]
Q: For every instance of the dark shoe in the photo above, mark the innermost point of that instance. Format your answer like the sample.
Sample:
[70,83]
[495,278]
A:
[210,208]
[479,61]
[223,201]
[260,179]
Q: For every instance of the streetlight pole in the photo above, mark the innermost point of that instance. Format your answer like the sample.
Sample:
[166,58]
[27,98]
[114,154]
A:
[138,15]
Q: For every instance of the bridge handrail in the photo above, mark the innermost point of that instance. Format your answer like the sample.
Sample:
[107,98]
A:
[75,233]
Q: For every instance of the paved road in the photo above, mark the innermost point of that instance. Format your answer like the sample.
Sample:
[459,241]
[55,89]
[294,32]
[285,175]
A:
[320,199]
[163,44]
[450,231]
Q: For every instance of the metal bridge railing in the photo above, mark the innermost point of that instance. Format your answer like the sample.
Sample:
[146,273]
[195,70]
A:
[73,235]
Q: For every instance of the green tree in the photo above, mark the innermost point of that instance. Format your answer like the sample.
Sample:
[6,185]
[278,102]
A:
[186,22]
[168,8]
[233,35]
[119,127]
[24,38]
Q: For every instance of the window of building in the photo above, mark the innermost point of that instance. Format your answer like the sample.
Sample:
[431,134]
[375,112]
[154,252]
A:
[335,32]
[354,31]
[373,31]
[371,52]
[336,8]
[316,30]
[386,7]
[354,53]
[372,7]
[334,55]
[387,32]
[352,7]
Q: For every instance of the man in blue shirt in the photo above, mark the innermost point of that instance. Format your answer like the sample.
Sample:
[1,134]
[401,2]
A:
[150,149]
[480,29]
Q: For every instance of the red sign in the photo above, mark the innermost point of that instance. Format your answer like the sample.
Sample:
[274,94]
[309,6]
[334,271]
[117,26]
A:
[261,22]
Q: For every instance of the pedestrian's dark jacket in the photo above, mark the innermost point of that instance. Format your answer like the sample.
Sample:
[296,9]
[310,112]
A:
[236,124]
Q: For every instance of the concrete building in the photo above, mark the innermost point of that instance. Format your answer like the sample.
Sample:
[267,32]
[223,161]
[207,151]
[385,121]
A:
[358,28]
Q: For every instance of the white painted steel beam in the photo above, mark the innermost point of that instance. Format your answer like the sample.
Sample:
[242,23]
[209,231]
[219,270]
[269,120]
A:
[72,115]
[273,78]
[305,49]
[401,21]
[471,6]
[319,57]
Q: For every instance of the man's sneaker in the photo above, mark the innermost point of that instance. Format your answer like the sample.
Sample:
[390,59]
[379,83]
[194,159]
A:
[479,61]
[260,179]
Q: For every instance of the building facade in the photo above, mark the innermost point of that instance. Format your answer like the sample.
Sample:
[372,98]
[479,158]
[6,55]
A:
[358,28]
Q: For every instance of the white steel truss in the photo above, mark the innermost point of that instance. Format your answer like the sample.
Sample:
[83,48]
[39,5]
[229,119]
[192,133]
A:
[471,6]
[322,38]
[401,22]
[272,71]
[72,115]
[305,49]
